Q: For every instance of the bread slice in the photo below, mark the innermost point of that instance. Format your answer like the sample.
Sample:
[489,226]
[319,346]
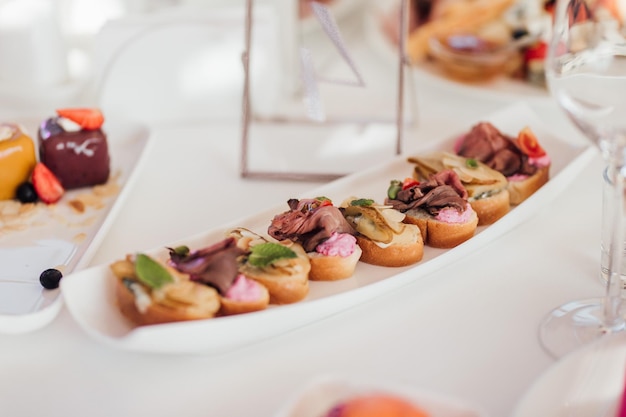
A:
[492,208]
[394,255]
[158,312]
[333,268]
[521,190]
[230,306]
[287,280]
[486,187]
[439,234]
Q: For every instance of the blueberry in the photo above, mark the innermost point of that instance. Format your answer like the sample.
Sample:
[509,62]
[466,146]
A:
[50,278]
[26,192]
[519,33]
[50,127]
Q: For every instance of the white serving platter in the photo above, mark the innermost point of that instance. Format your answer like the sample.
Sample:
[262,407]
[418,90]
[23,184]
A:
[59,237]
[89,293]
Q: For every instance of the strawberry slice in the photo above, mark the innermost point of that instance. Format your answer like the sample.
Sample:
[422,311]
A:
[47,185]
[87,118]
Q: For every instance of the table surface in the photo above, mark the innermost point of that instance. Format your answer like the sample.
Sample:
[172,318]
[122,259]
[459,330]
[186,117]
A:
[468,330]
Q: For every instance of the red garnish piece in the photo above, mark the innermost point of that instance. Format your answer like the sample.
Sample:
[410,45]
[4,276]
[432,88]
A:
[47,185]
[325,203]
[527,142]
[537,51]
[409,182]
[87,118]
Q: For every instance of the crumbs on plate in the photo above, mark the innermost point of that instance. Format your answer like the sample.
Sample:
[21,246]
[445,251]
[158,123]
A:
[17,217]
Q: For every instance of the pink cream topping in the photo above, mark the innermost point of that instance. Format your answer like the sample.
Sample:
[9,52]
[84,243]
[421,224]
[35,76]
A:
[243,289]
[339,244]
[517,177]
[451,215]
[542,161]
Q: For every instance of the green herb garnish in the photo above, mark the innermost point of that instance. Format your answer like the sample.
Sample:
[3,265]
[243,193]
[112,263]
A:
[471,163]
[362,202]
[394,187]
[181,251]
[264,254]
[150,272]
[322,198]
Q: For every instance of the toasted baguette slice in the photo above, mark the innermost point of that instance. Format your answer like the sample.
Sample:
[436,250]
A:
[333,268]
[521,190]
[157,312]
[231,306]
[180,300]
[394,255]
[486,187]
[439,234]
[287,280]
[492,208]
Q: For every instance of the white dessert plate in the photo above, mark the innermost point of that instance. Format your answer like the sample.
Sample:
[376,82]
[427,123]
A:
[586,383]
[57,236]
[321,394]
[89,293]
[503,88]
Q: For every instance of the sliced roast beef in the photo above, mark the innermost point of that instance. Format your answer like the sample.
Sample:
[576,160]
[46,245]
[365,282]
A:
[215,265]
[498,151]
[506,162]
[309,228]
[441,190]
[478,143]
[442,197]
[446,177]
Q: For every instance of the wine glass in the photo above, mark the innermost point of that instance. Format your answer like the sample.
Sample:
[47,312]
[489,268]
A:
[586,74]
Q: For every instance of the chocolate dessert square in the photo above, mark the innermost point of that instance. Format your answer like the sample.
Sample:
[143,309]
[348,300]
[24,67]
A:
[78,158]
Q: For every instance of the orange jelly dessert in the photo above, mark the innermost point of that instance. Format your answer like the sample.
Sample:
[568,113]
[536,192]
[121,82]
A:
[17,159]
[377,405]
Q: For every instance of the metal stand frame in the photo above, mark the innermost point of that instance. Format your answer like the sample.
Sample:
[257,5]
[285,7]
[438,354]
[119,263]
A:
[247,112]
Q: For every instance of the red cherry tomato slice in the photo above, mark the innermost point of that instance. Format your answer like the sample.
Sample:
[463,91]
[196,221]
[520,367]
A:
[325,203]
[527,142]
[409,182]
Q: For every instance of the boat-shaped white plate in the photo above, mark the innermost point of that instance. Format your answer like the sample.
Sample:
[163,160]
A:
[58,236]
[321,394]
[89,293]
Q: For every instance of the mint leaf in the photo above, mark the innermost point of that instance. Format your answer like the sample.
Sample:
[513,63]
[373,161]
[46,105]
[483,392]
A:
[150,272]
[264,254]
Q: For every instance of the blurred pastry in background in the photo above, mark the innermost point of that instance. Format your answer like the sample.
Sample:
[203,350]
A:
[477,40]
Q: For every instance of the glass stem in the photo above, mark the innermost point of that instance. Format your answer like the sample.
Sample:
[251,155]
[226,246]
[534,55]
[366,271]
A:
[615,210]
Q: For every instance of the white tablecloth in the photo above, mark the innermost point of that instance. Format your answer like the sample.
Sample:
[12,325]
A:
[468,330]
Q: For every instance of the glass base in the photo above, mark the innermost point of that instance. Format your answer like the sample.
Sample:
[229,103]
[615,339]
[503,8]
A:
[575,324]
